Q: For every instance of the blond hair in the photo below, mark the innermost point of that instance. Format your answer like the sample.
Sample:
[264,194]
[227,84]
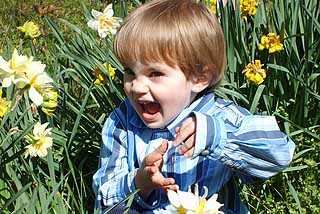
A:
[177,32]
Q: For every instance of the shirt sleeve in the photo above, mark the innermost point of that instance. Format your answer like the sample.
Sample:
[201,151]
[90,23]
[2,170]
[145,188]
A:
[113,180]
[252,145]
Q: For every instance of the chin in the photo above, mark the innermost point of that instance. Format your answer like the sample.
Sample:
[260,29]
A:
[157,124]
[154,125]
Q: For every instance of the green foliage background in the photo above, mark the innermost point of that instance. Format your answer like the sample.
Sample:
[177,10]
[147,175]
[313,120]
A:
[61,182]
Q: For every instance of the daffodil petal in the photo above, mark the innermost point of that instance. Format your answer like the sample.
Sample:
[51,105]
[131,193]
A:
[212,203]
[6,82]
[35,96]
[188,200]
[92,24]
[96,13]
[174,198]
[108,11]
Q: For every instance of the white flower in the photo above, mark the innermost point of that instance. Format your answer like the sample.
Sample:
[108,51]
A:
[15,67]
[23,72]
[40,140]
[189,203]
[38,80]
[104,22]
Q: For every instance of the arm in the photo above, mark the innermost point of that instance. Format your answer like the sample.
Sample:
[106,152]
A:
[114,181]
[149,176]
[250,144]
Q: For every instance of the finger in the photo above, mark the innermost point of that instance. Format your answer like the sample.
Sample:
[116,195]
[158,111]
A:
[183,125]
[187,129]
[152,158]
[188,145]
[157,154]
[162,181]
[174,187]
[187,122]
[177,129]
[151,169]
[189,153]
[163,147]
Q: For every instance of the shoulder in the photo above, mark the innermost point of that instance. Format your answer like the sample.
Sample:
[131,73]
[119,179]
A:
[229,112]
[120,115]
[125,116]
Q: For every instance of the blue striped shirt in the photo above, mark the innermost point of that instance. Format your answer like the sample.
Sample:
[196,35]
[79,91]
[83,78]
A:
[230,142]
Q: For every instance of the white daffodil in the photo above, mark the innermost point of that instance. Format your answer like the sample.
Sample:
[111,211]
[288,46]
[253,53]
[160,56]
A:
[104,22]
[14,68]
[35,79]
[189,203]
[6,74]
[40,141]
[38,80]
[25,73]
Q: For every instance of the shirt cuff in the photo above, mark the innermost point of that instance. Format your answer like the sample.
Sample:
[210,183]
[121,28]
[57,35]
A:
[210,136]
[153,200]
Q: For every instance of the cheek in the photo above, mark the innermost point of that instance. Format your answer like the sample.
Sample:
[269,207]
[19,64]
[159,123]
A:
[177,98]
[126,87]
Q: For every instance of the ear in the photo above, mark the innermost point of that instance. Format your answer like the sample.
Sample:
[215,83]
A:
[200,83]
[202,80]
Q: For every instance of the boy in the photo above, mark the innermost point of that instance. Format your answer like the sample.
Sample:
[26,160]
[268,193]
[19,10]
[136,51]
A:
[171,131]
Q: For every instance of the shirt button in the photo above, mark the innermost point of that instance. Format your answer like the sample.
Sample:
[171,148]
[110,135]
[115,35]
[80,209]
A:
[228,162]
[205,152]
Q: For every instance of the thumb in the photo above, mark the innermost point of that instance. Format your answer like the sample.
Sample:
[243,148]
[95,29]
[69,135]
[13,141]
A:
[163,147]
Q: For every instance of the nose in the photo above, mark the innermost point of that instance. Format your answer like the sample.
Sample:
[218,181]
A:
[139,86]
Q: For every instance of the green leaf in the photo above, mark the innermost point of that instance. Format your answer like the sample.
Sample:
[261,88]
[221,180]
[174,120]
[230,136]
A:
[256,98]
[295,195]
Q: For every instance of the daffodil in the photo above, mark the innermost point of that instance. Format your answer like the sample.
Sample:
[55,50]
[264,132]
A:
[104,22]
[101,77]
[192,203]
[14,68]
[25,73]
[4,105]
[30,29]
[248,8]
[254,72]
[40,141]
[271,42]
[50,102]
[37,81]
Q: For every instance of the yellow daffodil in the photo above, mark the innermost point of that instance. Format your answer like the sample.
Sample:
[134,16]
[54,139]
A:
[30,29]
[271,42]
[4,105]
[248,8]
[254,72]
[25,73]
[50,102]
[101,77]
[189,203]
[104,22]
[40,141]
[213,5]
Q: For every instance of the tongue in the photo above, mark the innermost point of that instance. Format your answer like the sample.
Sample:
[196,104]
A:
[152,108]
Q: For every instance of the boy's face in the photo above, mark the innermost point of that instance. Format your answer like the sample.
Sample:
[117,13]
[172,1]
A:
[158,92]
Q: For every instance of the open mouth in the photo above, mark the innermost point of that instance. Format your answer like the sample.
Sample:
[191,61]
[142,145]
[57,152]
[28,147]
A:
[150,110]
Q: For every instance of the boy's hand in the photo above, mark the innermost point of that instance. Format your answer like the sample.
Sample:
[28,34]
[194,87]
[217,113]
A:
[149,175]
[186,135]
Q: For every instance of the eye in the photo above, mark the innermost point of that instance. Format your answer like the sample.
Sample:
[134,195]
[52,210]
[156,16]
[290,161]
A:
[156,74]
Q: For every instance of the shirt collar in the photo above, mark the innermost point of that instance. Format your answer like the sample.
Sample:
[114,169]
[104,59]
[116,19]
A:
[197,105]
